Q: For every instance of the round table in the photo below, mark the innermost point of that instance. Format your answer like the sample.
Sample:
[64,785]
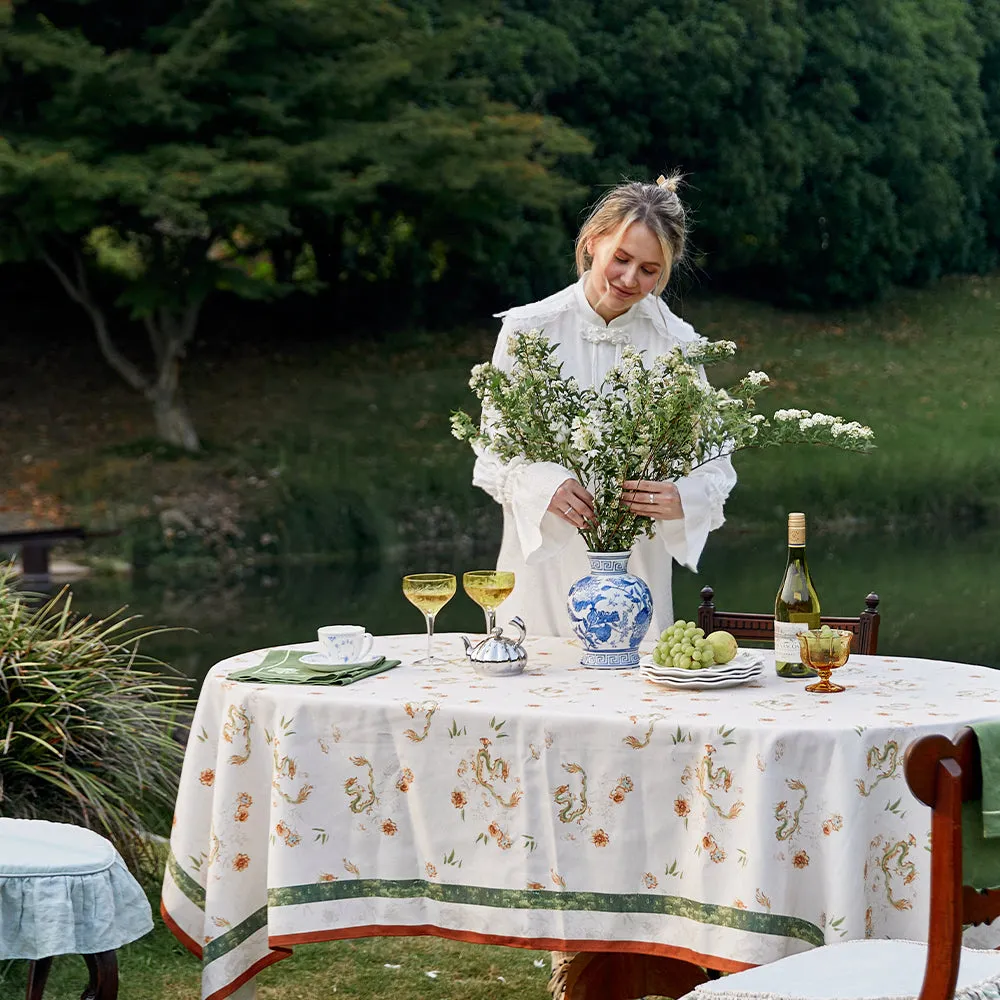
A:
[564,808]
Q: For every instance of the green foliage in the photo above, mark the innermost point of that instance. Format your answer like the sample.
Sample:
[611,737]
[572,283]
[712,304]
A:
[90,723]
[834,148]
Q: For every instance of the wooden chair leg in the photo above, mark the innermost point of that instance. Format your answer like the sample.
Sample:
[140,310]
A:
[625,976]
[38,974]
[103,968]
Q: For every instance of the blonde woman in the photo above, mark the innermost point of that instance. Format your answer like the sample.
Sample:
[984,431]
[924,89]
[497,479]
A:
[625,252]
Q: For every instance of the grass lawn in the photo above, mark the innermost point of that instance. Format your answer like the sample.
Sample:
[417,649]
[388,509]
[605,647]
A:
[311,447]
[158,968]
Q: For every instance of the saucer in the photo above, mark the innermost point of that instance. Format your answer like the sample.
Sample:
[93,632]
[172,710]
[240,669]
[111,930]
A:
[319,660]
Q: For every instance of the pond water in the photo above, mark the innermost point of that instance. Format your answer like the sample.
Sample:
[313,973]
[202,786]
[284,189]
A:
[939,594]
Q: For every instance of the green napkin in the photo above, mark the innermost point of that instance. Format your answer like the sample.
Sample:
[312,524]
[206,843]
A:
[981,819]
[285,666]
[988,734]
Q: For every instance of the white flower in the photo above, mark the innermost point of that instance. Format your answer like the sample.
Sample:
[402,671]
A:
[757,379]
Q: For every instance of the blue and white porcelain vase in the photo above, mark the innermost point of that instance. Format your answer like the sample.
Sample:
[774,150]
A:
[611,611]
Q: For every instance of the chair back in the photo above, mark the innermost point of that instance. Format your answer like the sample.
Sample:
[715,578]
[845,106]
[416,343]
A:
[943,774]
[760,627]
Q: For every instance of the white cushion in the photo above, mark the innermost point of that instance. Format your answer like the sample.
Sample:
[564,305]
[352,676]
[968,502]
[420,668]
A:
[854,970]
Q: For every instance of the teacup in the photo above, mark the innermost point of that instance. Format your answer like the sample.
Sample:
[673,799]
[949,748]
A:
[345,643]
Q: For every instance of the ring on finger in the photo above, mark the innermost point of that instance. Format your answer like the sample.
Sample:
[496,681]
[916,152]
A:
[568,510]
[651,499]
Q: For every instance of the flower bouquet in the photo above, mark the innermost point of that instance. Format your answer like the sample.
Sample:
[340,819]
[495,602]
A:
[657,422]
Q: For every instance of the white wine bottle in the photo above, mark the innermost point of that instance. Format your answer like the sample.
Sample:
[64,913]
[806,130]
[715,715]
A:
[796,607]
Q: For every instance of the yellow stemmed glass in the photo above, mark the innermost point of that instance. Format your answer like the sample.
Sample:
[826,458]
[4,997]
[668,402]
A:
[825,650]
[429,592]
[489,588]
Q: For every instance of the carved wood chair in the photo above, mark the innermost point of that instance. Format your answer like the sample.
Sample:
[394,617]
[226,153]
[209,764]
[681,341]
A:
[760,627]
[942,774]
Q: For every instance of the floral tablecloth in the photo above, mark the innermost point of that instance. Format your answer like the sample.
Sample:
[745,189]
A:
[565,808]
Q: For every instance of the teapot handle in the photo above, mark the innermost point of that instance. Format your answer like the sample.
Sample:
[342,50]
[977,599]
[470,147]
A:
[518,623]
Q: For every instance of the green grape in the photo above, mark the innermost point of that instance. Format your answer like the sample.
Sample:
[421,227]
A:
[707,658]
[665,634]
[680,623]
[685,663]
[700,632]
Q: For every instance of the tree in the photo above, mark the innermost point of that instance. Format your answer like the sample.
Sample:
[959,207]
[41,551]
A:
[173,149]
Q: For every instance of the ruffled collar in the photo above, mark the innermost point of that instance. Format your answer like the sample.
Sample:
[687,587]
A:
[594,328]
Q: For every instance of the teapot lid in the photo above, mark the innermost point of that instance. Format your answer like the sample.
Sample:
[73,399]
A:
[497,648]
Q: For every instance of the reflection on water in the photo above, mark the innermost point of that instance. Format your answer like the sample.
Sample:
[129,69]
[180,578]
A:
[938,595]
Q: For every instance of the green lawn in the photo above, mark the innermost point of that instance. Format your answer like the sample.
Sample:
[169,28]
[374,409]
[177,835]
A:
[320,448]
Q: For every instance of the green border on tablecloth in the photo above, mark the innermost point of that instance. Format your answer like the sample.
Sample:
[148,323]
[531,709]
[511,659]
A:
[521,899]
[185,883]
[546,899]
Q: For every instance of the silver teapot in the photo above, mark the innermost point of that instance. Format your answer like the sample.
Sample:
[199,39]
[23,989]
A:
[496,655]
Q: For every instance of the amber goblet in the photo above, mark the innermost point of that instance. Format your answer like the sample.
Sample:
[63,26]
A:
[825,649]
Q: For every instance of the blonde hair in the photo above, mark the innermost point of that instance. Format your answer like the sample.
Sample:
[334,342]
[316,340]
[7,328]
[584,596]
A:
[656,205]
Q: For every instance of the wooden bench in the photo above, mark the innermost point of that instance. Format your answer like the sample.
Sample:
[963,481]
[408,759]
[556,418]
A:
[34,548]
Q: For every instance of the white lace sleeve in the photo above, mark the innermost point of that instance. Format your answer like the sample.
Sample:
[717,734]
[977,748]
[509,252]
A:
[703,496]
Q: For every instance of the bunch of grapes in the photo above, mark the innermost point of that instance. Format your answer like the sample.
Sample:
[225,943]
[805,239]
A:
[683,646]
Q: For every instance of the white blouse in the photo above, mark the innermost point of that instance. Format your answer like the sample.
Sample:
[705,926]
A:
[546,553]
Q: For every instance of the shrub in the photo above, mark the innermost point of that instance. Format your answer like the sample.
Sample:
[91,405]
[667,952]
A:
[88,724]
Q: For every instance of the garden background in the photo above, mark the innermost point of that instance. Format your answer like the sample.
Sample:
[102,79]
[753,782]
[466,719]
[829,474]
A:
[249,251]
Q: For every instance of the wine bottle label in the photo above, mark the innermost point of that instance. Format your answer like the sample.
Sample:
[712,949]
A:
[786,641]
[796,534]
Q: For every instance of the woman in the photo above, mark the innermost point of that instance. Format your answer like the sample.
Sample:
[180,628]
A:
[625,252]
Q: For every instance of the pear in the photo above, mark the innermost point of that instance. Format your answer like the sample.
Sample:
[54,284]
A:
[723,645]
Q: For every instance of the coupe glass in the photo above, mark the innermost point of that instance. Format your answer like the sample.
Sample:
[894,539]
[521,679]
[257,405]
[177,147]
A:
[825,650]
[489,588]
[430,592]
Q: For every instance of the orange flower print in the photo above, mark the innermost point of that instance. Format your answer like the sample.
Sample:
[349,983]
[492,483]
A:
[835,822]
[682,807]
[458,799]
[326,877]
[281,829]
[617,794]
[207,777]
[739,904]
[535,885]
[389,828]
[650,881]
[800,859]
[600,839]
[716,854]
[243,804]
[432,872]
[405,780]
[494,829]
[241,862]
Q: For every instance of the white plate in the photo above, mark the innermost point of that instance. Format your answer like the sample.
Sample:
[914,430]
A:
[745,659]
[679,674]
[318,660]
[699,684]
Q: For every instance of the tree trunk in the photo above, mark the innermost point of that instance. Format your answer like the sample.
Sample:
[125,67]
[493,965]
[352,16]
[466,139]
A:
[169,334]
[173,422]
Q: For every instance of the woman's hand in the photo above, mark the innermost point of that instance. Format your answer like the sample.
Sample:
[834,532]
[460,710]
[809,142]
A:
[572,503]
[660,501]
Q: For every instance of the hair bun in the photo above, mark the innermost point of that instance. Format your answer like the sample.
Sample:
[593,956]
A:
[670,183]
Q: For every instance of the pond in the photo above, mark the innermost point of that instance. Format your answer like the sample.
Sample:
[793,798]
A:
[939,593]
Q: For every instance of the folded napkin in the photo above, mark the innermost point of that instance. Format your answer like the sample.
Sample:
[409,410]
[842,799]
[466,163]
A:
[981,820]
[285,666]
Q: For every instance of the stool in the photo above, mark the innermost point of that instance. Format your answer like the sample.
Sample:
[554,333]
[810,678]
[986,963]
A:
[64,890]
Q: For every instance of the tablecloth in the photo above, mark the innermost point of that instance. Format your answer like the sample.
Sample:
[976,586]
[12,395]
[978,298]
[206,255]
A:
[564,808]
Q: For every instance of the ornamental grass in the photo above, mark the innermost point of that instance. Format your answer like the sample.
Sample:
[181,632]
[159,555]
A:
[91,729]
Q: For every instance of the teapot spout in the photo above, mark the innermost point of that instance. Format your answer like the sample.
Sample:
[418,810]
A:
[468,644]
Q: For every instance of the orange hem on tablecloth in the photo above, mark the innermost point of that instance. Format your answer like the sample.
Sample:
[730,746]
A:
[535,944]
[281,946]
[174,928]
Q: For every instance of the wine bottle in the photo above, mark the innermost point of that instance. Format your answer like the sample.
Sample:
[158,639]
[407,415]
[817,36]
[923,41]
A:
[796,606]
